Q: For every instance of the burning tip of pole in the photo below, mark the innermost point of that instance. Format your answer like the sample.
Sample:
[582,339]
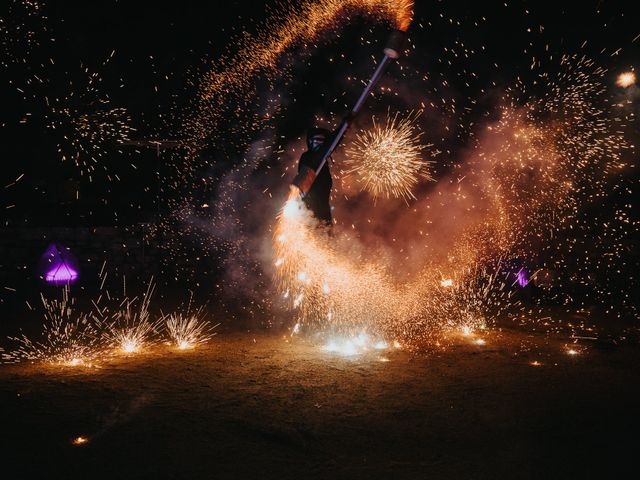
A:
[572,351]
[535,363]
[395,44]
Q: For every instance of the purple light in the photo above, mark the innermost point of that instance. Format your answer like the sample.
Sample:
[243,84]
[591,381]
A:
[59,265]
[522,277]
[62,273]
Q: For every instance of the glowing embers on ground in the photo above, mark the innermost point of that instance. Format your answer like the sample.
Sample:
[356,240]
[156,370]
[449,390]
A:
[78,441]
[362,343]
[387,160]
[472,332]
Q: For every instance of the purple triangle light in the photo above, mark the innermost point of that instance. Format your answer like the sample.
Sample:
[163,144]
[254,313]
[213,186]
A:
[523,278]
[59,265]
[61,273]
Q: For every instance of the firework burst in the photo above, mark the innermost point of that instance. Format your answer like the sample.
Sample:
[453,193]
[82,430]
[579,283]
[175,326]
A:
[387,160]
[626,79]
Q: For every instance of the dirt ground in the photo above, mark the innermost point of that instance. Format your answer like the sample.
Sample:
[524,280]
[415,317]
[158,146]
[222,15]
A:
[254,405]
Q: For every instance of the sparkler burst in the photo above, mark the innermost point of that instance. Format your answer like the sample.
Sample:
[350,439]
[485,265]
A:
[69,338]
[387,160]
[79,114]
[189,329]
[331,290]
[130,329]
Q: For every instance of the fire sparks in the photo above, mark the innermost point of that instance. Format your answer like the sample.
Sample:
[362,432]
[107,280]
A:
[387,160]
[189,329]
[223,91]
[522,185]
[76,339]
[130,328]
[70,339]
[524,190]
[626,79]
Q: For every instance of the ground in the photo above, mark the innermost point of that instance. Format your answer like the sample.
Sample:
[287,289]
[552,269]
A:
[257,405]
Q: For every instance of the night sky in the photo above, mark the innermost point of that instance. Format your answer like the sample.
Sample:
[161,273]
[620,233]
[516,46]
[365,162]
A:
[158,47]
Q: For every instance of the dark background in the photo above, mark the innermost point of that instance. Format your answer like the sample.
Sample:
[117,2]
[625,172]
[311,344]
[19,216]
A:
[159,50]
[157,46]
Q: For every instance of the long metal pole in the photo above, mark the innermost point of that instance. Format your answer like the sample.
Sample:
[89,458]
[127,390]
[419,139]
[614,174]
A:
[306,176]
[354,111]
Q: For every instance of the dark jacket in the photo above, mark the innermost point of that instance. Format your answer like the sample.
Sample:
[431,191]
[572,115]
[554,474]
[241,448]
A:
[317,199]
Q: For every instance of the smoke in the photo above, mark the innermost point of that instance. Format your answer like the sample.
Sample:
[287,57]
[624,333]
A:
[498,195]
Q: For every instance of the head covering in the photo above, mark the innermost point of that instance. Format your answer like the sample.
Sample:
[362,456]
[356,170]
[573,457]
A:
[315,131]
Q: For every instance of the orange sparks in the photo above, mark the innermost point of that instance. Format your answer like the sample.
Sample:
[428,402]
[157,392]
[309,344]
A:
[387,160]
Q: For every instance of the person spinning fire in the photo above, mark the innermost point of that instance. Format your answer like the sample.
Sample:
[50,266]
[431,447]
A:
[317,198]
